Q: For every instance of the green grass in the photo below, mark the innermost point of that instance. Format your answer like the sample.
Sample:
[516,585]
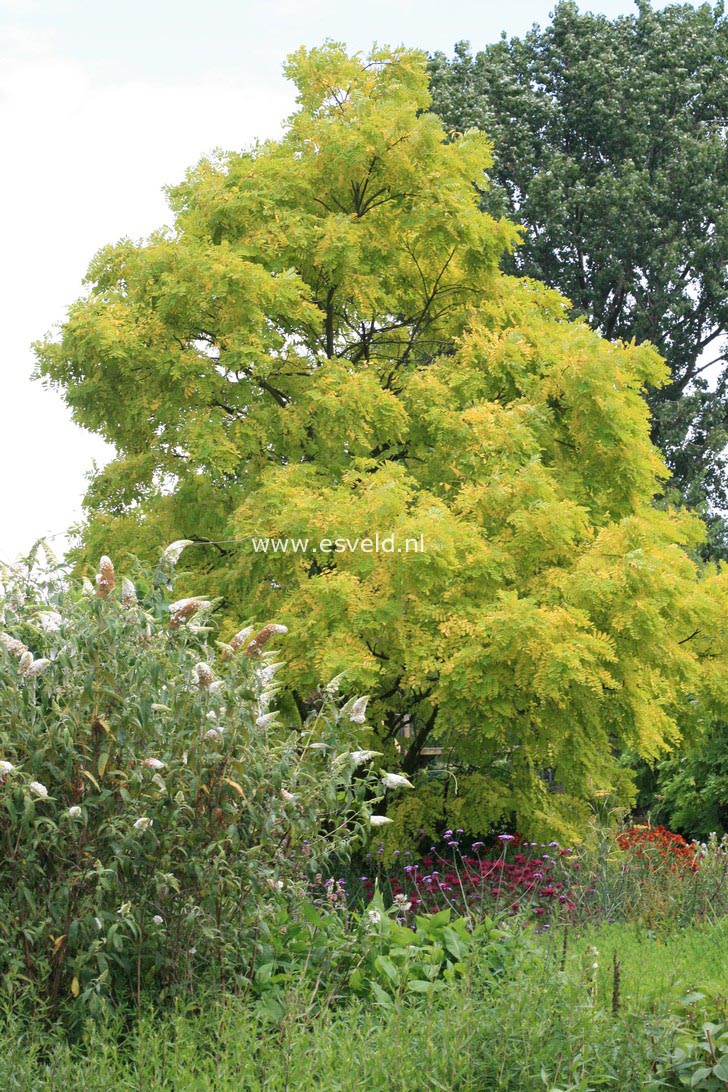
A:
[537,1029]
[656,967]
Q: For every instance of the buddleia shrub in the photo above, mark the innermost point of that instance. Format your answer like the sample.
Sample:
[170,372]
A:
[155,809]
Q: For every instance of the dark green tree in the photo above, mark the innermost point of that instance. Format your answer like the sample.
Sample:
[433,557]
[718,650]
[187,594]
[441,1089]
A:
[610,151]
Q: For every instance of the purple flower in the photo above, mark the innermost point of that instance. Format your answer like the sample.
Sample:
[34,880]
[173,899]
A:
[506,837]
[552,844]
[477,845]
[447,834]
[453,843]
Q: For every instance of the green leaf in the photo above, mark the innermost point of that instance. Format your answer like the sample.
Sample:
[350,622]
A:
[380,996]
[454,944]
[720,1070]
[418,985]
[312,916]
[383,963]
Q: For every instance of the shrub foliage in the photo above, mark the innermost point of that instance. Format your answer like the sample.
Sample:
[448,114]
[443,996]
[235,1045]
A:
[151,805]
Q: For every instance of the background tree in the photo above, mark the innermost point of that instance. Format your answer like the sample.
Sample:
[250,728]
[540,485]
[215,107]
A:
[325,346]
[611,151]
[688,791]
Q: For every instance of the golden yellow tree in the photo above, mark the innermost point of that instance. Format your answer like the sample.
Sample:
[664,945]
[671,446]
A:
[325,348]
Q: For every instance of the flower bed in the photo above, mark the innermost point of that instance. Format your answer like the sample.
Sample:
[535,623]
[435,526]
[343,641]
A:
[646,873]
[523,875]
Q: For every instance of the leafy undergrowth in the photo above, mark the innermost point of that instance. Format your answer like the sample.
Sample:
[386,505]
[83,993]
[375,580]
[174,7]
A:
[549,1024]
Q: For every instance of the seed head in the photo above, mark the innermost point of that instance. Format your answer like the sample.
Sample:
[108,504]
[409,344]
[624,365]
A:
[261,639]
[203,676]
[183,609]
[105,578]
[239,640]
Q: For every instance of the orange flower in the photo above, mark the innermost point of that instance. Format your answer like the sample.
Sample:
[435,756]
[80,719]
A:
[672,848]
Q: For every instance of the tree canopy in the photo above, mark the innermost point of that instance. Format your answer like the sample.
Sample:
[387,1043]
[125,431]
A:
[611,151]
[325,345]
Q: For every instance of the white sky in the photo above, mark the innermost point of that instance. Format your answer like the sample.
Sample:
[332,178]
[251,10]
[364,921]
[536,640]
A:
[102,104]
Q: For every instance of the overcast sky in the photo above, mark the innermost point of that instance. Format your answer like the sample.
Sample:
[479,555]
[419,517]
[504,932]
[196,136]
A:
[102,104]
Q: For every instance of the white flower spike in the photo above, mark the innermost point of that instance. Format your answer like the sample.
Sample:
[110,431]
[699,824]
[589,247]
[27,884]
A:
[128,593]
[360,757]
[266,720]
[37,668]
[12,645]
[50,621]
[396,781]
[173,552]
[358,711]
[332,687]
